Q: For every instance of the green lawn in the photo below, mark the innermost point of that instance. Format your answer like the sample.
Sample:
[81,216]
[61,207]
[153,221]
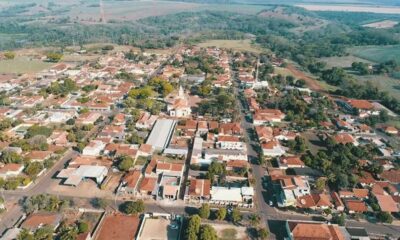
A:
[377,53]
[21,65]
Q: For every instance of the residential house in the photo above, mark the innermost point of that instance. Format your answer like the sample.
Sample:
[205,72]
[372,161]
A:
[37,220]
[355,206]
[285,162]
[273,149]
[94,148]
[292,188]
[130,182]
[230,142]
[198,191]
[266,116]
[297,230]
[10,170]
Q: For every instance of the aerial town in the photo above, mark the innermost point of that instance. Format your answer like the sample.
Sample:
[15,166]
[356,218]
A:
[141,145]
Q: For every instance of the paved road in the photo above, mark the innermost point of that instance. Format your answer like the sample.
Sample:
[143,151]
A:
[270,214]
[262,208]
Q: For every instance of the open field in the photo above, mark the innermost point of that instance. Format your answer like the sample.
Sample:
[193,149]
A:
[231,232]
[21,65]
[311,82]
[238,45]
[385,83]
[350,8]
[89,11]
[377,53]
[381,24]
[343,62]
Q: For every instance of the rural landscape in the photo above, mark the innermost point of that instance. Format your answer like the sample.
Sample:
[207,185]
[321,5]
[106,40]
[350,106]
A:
[199,120]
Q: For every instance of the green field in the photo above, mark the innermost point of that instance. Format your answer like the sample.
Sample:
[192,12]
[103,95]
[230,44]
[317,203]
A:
[377,53]
[388,84]
[343,62]
[21,65]
[238,45]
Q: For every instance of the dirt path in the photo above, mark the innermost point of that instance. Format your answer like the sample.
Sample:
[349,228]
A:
[311,83]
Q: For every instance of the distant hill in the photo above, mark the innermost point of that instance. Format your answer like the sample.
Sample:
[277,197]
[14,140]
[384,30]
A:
[290,2]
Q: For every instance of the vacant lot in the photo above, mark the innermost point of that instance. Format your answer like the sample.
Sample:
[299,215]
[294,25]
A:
[21,65]
[377,53]
[231,232]
[238,45]
[349,8]
[382,24]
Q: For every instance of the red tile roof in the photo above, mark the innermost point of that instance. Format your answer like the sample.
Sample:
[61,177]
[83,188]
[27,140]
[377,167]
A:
[199,187]
[360,104]
[386,203]
[356,205]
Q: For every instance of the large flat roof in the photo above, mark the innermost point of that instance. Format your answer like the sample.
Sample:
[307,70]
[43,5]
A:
[161,133]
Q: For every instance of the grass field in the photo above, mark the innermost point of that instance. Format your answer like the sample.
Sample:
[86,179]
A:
[391,85]
[238,45]
[21,65]
[377,53]
[343,62]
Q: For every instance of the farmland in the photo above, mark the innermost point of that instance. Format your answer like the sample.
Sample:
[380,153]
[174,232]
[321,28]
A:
[350,8]
[377,53]
[238,45]
[382,24]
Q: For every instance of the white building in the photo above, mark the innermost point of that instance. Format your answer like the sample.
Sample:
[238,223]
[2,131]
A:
[74,176]
[291,189]
[94,148]
[242,197]
[230,142]
[179,106]
[273,149]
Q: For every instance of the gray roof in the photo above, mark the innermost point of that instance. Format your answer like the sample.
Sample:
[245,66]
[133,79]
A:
[161,133]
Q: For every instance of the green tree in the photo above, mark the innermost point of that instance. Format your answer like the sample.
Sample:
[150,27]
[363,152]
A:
[99,203]
[339,219]
[44,233]
[33,169]
[236,216]
[38,130]
[193,227]
[221,213]
[262,233]
[10,157]
[131,207]
[25,235]
[254,220]
[204,211]
[9,55]
[207,232]
[125,163]
[54,57]
[83,227]
[385,217]
[68,233]
[320,183]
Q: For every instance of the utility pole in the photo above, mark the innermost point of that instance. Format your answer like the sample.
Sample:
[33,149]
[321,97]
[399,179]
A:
[102,15]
